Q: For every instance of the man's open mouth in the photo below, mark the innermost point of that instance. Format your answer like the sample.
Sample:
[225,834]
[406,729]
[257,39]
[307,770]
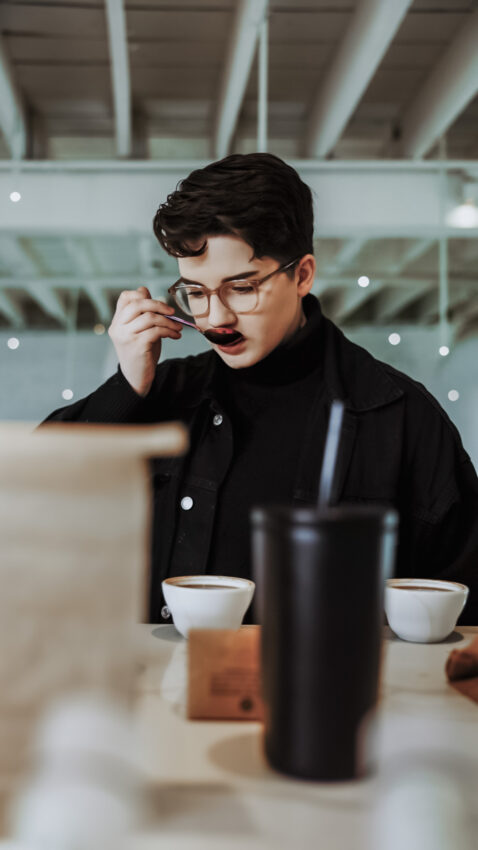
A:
[223,336]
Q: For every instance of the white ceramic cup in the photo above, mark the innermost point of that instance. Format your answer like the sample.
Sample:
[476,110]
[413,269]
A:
[423,610]
[212,602]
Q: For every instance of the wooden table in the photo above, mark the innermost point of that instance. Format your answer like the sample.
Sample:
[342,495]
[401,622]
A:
[213,789]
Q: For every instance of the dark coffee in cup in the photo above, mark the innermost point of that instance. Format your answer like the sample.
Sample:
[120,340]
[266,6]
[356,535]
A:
[209,586]
[423,587]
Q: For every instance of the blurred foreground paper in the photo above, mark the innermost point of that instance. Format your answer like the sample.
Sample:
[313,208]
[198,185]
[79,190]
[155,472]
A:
[74,552]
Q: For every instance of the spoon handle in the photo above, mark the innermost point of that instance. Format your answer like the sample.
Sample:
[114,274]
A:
[183,322]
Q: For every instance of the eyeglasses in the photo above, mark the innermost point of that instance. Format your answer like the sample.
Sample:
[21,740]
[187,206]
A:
[241,296]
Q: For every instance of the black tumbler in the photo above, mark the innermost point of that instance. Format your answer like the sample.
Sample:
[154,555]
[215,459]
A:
[320,578]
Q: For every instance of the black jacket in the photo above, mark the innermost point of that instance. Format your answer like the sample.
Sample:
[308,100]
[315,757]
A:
[398,448]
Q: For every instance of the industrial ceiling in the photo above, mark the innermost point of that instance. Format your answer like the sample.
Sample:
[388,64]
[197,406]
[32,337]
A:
[147,87]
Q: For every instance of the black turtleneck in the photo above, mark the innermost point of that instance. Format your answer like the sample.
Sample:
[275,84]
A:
[268,405]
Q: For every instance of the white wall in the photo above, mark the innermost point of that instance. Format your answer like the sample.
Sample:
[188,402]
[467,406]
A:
[417,356]
[33,376]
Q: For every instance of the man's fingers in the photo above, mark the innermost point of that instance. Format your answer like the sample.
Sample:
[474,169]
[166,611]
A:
[127,296]
[130,295]
[150,320]
[144,291]
[145,305]
[155,334]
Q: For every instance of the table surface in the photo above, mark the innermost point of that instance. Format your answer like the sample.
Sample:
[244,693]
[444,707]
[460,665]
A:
[211,787]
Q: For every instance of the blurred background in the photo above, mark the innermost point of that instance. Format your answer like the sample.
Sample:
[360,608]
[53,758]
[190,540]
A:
[106,104]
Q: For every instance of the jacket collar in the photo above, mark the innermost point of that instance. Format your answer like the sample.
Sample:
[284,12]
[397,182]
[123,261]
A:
[350,373]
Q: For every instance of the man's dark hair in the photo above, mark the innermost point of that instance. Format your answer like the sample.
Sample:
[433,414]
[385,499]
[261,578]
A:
[256,196]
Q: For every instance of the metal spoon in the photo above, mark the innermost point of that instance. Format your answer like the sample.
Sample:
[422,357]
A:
[221,336]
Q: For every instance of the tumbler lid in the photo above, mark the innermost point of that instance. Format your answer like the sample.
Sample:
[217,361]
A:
[305,515]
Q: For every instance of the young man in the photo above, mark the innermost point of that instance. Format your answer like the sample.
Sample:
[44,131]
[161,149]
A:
[257,408]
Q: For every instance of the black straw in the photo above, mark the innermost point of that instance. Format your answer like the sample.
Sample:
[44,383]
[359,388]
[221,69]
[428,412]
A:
[332,442]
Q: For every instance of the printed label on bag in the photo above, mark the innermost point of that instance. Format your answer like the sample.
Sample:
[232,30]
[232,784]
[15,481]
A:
[224,674]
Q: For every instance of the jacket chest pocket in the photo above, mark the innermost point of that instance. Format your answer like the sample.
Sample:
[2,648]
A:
[163,470]
[365,485]
[196,504]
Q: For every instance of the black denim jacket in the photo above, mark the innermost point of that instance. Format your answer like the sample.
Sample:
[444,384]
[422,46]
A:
[398,448]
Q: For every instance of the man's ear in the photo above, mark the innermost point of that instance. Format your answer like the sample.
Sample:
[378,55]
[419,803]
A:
[305,274]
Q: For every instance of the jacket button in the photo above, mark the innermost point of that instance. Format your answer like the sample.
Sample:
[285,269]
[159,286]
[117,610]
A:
[165,612]
[217,419]
[187,503]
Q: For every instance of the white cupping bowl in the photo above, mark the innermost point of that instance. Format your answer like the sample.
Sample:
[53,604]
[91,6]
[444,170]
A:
[423,616]
[216,608]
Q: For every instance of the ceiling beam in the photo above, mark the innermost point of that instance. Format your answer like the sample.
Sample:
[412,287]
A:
[466,324]
[241,49]
[120,77]
[12,115]
[48,300]
[178,168]
[345,255]
[447,91]
[417,249]
[160,283]
[15,257]
[393,300]
[10,309]
[81,257]
[429,306]
[464,306]
[96,199]
[352,300]
[96,294]
[368,36]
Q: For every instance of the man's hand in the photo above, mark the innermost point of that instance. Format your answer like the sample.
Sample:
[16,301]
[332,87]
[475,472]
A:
[138,326]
